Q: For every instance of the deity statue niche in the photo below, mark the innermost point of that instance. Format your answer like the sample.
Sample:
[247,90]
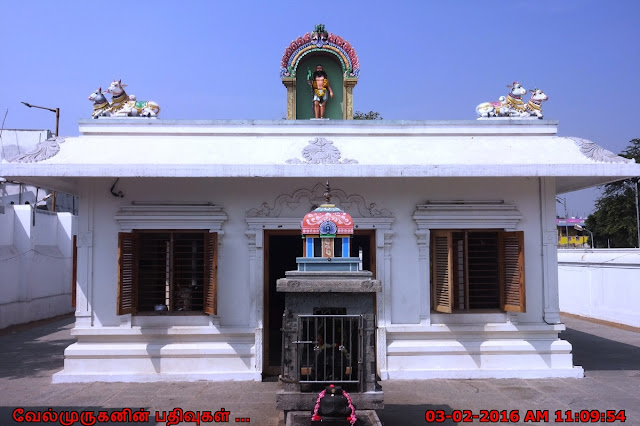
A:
[313,95]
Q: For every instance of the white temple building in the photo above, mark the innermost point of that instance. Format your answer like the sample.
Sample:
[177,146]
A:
[184,227]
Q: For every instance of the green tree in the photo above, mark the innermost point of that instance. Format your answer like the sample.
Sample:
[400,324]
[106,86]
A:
[371,115]
[614,221]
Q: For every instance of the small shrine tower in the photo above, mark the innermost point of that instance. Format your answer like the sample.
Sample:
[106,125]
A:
[328,324]
[340,63]
[327,232]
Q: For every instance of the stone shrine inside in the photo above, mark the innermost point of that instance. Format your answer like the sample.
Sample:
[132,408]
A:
[329,320]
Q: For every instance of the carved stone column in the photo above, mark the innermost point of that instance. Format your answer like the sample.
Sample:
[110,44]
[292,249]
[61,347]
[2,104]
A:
[349,84]
[290,84]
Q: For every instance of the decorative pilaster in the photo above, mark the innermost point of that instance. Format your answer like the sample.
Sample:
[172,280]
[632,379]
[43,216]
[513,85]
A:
[549,250]
[290,84]
[84,284]
[349,84]
[256,274]
[384,238]
[424,237]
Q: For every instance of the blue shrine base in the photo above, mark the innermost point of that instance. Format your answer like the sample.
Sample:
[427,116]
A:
[328,263]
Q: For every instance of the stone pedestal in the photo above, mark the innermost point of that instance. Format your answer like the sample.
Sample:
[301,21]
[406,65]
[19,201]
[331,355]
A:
[353,295]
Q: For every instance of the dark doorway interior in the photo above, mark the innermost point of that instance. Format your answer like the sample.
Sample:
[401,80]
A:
[281,252]
[281,249]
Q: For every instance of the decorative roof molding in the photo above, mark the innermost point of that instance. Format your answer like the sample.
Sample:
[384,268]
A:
[597,153]
[320,41]
[45,149]
[352,203]
[321,151]
[466,215]
[171,216]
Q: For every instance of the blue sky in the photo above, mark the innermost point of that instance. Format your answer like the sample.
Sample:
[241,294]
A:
[420,60]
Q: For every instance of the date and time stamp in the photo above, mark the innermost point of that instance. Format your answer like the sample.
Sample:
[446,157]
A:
[528,416]
[178,415]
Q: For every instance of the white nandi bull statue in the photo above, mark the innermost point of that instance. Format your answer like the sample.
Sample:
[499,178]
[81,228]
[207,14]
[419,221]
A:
[123,105]
[509,106]
[101,106]
[534,106]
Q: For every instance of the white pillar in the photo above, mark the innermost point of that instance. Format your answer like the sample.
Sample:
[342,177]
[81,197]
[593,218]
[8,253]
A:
[549,233]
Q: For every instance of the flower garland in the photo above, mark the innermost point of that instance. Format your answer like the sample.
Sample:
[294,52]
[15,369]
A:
[316,417]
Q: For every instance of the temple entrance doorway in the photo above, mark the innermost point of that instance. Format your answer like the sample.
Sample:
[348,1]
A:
[281,247]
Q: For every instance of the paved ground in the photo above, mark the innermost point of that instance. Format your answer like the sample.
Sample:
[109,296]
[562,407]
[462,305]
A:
[610,357]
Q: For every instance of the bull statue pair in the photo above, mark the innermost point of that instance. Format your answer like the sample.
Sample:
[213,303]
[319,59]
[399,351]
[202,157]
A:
[512,105]
[121,105]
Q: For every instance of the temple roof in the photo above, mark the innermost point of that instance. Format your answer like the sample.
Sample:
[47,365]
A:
[312,222]
[138,147]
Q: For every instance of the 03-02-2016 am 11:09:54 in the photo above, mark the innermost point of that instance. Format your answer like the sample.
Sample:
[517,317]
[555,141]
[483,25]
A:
[514,416]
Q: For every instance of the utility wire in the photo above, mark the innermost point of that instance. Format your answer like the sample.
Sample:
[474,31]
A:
[35,251]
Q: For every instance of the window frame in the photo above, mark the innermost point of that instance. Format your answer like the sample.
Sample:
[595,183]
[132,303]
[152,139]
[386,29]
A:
[129,266]
[511,275]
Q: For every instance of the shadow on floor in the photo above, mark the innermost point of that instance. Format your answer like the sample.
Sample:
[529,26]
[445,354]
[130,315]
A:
[27,352]
[596,353]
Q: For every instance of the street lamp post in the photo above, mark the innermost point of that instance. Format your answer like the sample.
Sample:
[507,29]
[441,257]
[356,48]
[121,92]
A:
[56,110]
[35,206]
[563,201]
[582,228]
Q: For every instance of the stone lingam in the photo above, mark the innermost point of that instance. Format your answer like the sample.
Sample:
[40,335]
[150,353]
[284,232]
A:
[328,328]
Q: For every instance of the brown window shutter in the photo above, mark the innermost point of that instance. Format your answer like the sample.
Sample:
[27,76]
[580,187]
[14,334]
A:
[211,274]
[127,273]
[74,271]
[511,256]
[442,276]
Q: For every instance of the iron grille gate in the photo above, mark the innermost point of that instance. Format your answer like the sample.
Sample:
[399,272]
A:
[330,349]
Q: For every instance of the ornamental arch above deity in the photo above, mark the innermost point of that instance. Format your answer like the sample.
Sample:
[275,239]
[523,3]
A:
[341,65]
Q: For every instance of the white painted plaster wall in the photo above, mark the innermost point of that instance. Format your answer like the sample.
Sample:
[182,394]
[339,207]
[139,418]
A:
[601,283]
[485,345]
[237,196]
[35,264]
[17,142]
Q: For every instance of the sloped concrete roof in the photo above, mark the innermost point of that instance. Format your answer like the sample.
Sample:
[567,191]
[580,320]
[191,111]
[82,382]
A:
[141,147]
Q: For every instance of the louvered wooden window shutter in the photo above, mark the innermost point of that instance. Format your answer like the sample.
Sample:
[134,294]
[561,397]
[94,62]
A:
[127,273]
[442,278]
[211,274]
[511,255]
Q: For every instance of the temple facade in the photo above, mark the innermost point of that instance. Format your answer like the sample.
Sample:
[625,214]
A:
[185,227]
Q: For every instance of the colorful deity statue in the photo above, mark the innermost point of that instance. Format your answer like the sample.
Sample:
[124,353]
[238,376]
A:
[321,90]
[512,105]
[101,106]
[123,105]
[319,35]
[534,106]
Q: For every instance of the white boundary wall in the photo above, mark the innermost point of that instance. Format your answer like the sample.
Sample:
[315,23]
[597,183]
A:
[601,283]
[35,264]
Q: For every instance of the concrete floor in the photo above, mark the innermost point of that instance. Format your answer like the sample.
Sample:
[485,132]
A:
[29,355]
